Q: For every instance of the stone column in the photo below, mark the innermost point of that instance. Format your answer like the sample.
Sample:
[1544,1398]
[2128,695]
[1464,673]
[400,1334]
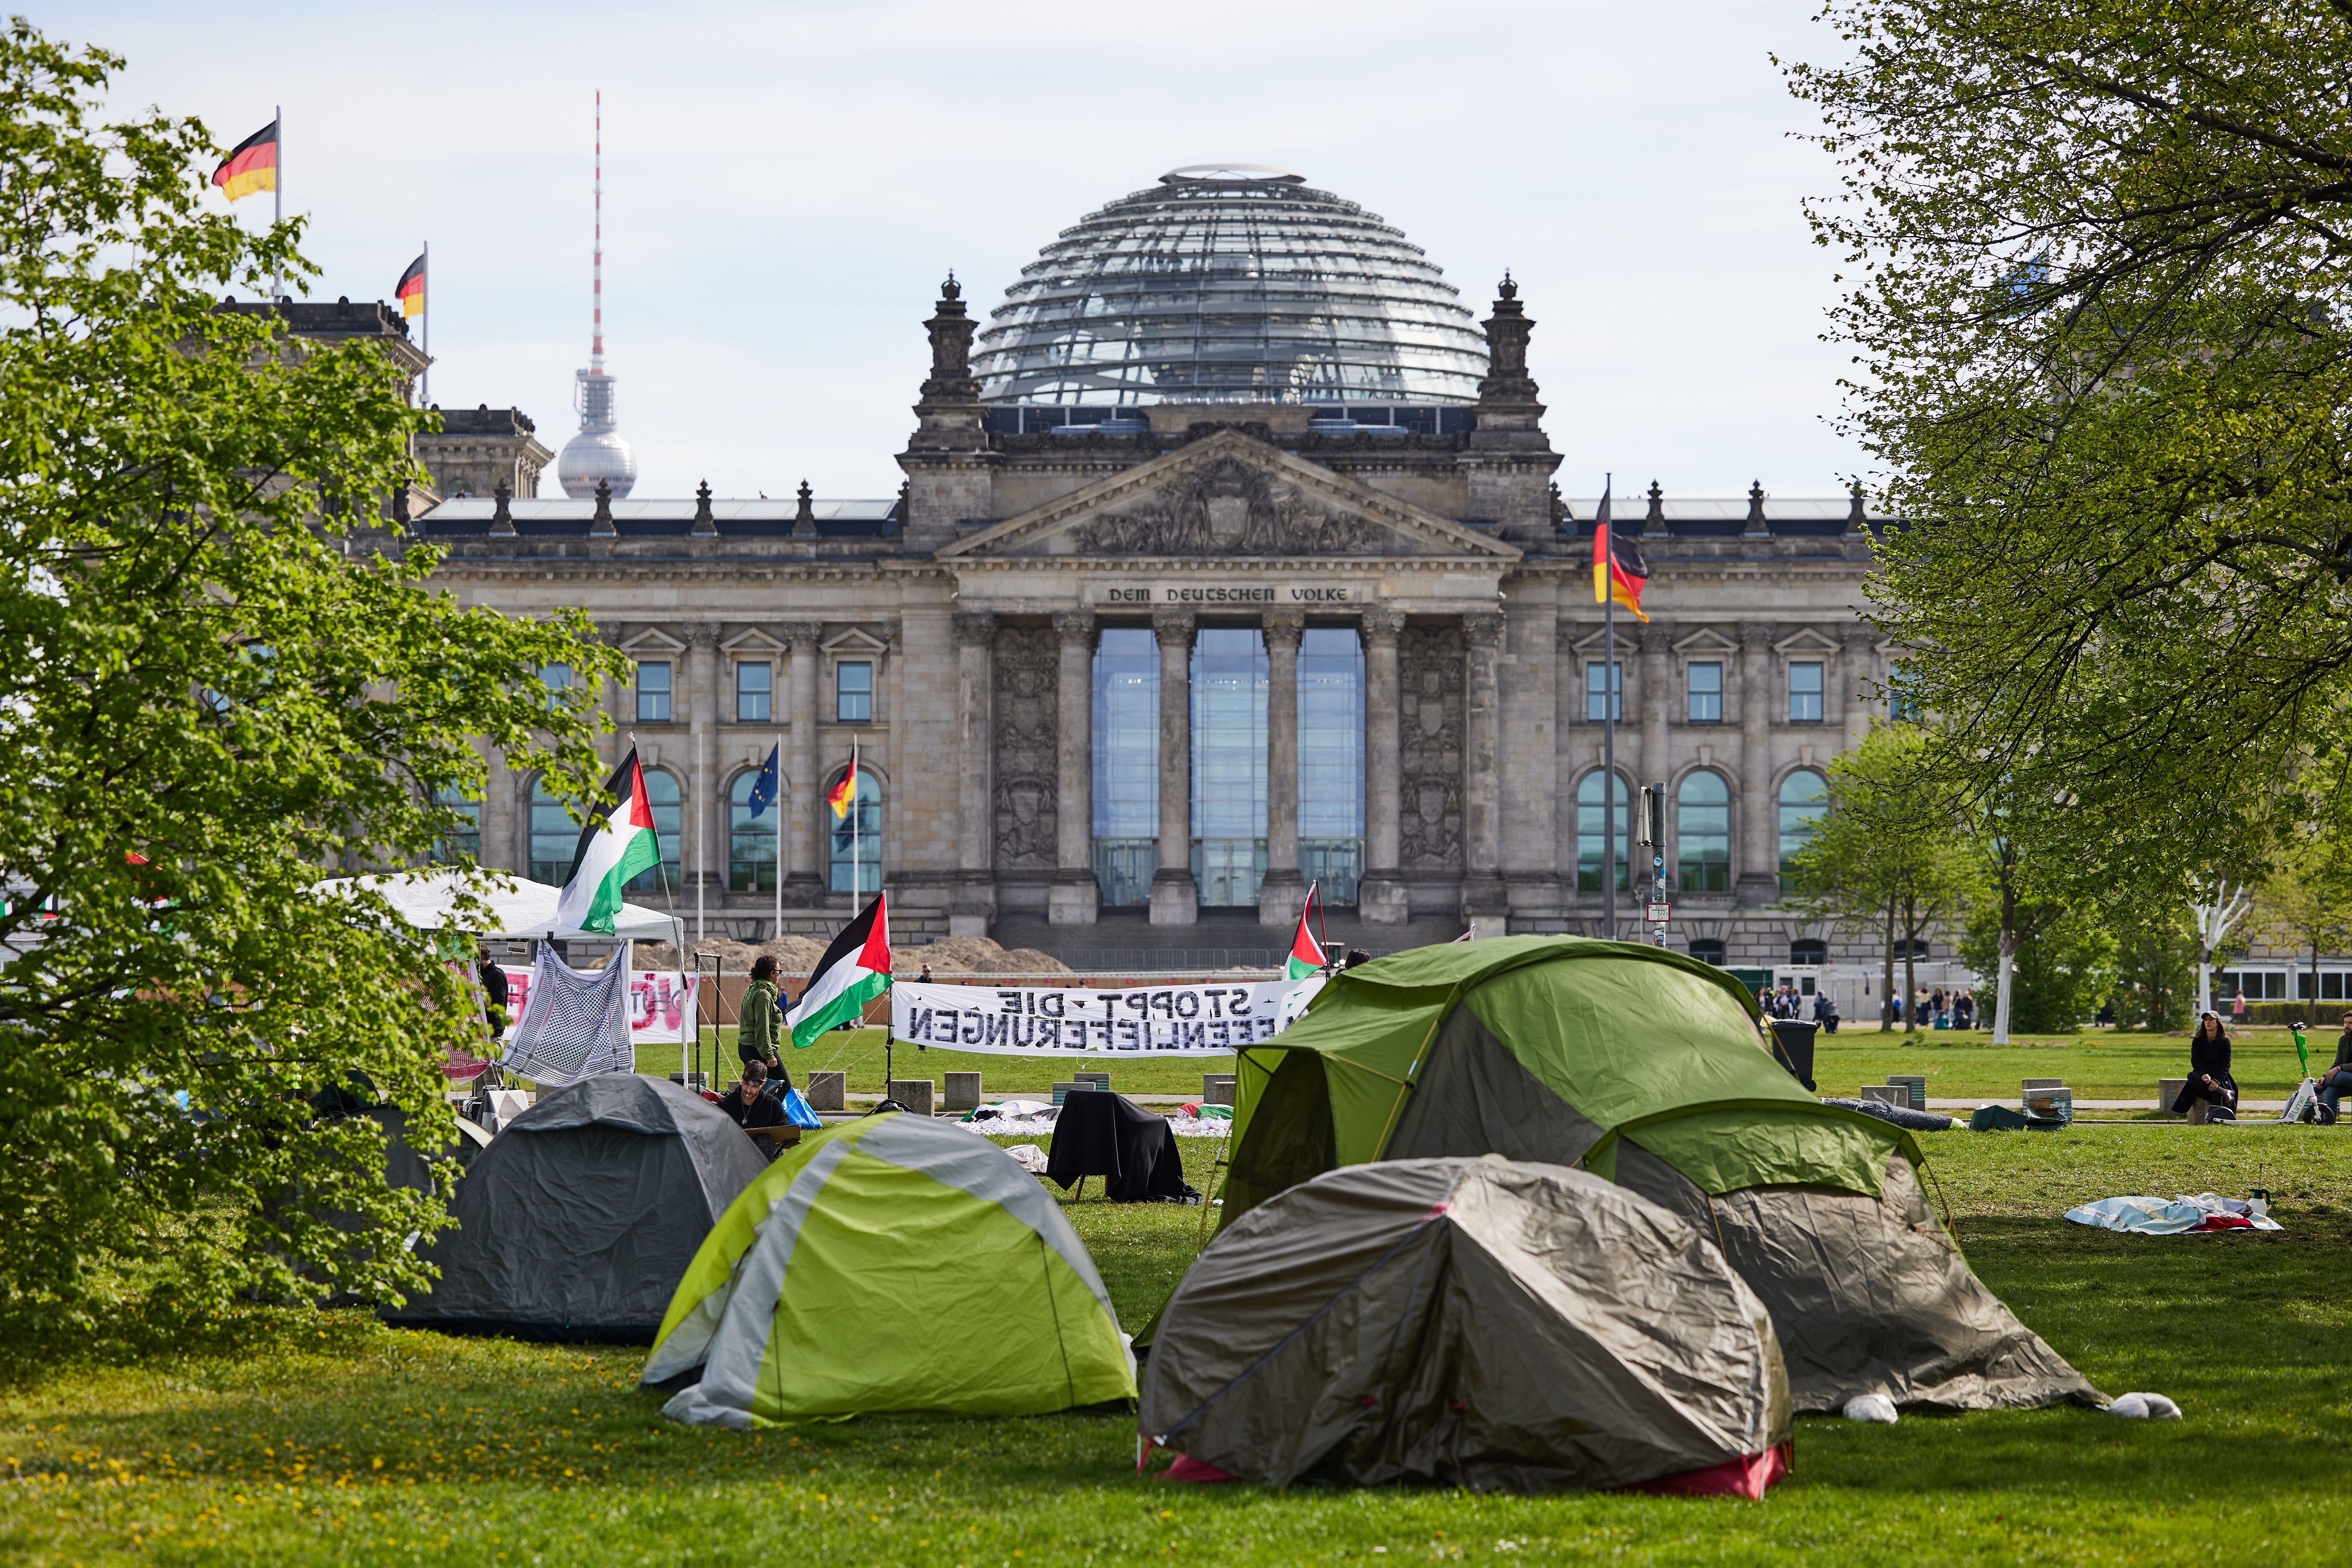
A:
[1856,677]
[1381,895]
[1074,898]
[1655,680]
[503,803]
[696,864]
[1755,869]
[1485,908]
[1175,896]
[804,887]
[1528,764]
[1284,892]
[975,897]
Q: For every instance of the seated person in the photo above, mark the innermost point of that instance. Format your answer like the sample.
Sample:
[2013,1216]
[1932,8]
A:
[2335,1079]
[748,1105]
[2209,1068]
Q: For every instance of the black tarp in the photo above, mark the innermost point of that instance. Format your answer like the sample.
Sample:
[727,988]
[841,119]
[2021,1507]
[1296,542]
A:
[1109,1135]
[579,1219]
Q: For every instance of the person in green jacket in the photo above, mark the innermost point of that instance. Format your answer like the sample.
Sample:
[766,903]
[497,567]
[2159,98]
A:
[761,1025]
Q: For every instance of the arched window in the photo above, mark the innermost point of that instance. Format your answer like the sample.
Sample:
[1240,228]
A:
[466,839]
[662,794]
[750,840]
[1804,796]
[554,836]
[861,849]
[1809,952]
[1592,835]
[1707,949]
[1703,834]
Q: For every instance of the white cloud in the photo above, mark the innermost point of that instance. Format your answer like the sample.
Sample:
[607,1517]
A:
[786,186]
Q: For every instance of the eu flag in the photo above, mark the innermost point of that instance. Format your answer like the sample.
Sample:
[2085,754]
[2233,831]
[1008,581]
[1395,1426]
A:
[764,788]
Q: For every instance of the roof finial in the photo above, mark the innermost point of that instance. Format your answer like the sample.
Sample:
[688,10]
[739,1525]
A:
[950,289]
[1507,289]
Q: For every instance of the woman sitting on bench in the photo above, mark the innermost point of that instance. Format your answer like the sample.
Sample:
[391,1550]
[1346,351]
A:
[2209,1071]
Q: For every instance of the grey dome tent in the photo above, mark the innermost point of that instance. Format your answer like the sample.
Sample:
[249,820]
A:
[1646,1068]
[579,1219]
[1477,1323]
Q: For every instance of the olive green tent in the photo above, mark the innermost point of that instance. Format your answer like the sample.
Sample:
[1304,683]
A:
[1649,1068]
[893,1263]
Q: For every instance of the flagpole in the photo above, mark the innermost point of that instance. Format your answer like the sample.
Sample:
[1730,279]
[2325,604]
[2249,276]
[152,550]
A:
[857,863]
[1607,544]
[777,806]
[277,186]
[428,324]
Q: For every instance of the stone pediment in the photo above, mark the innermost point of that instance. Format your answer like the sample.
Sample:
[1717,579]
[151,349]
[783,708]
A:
[1231,496]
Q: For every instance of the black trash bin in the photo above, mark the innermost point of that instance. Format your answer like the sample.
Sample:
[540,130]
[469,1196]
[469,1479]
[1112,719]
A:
[1795,1037]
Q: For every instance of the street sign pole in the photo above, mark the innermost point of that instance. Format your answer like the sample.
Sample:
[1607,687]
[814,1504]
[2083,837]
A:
[1651,835]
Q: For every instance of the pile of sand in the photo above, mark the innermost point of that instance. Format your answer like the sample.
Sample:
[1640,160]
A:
[797,955]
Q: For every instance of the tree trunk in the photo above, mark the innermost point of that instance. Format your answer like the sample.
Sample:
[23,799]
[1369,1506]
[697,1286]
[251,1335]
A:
[1910,969]
[2008,959]
[2000,1002]
[1886,976]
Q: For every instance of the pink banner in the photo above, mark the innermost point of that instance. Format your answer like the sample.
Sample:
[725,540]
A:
[661,1003]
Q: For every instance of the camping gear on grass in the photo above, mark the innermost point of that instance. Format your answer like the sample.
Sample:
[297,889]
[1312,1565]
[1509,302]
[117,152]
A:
[893,1263]
[1647,1067]
[1108,1135]
[579,1219]
[1467,1322]
[2200,1214]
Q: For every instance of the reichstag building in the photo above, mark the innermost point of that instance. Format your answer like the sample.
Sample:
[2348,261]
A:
[1229,560]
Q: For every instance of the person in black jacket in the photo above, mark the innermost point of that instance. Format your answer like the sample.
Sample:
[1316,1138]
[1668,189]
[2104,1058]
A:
[494,995]
[2337,1079]
[748,1105]
[2209,1068]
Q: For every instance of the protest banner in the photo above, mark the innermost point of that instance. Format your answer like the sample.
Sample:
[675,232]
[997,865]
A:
[1202,1020]
[662,1005]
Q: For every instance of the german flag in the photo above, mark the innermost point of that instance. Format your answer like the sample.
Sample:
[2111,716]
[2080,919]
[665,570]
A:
[251,165]
[1618,569]
[410,292]
[842,794]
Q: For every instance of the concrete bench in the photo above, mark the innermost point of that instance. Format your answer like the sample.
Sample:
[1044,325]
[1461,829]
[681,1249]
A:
[827,1092]
[915,1093]
[1217,1087]
[2167,1089]
[963,1091]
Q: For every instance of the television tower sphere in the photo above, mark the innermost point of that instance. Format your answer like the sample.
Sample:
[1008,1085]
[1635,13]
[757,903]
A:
[599,451]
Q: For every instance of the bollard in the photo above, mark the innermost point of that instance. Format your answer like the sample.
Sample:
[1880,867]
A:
[914,1093]
[1217,1087]
[963,1091]
[826,1091]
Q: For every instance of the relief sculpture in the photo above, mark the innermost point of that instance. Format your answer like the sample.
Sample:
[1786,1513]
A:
[1027,664]
[1229,508]
[1430,747]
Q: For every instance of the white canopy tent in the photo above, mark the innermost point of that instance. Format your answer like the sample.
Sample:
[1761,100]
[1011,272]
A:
[428,900]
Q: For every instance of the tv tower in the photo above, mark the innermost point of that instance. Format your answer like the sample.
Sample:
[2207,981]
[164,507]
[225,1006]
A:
[598,452]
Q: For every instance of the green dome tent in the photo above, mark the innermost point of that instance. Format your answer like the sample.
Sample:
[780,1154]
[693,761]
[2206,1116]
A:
[893,1263]
[1648,1068]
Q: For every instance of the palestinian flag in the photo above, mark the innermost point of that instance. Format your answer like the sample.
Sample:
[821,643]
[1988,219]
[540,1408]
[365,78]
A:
[854,971]
[1618,571]
[1305,954]
[251,165]
[411,291]
[618,843]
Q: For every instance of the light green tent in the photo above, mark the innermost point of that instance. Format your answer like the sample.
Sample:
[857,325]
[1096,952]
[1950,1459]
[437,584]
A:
[1648,1068]
[894,1263]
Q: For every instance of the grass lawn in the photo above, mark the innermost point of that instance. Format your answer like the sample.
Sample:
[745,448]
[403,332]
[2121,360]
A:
[2100,1065]
[299,1437]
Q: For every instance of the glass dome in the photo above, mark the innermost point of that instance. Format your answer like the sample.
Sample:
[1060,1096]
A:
[1230,283]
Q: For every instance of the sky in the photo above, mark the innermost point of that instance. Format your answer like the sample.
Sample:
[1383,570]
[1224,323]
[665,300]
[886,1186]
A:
[786,186]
